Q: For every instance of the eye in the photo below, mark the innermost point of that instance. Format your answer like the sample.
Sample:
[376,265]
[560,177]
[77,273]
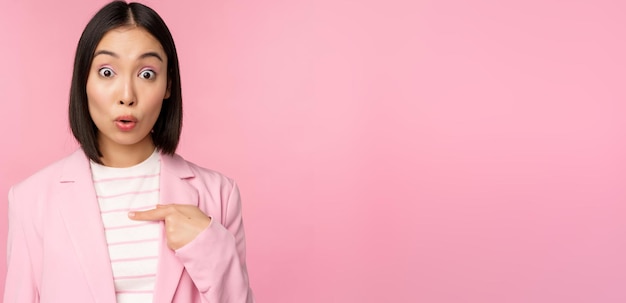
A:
[147,74]
[106,72]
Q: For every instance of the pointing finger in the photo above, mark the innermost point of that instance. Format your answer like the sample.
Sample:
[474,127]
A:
[157,214]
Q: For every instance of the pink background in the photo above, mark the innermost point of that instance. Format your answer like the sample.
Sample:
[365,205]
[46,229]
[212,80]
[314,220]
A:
[387,151]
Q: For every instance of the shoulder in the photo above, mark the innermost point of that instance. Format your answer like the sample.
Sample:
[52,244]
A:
[209,174]
[36,191]
[51,174]
[192,171]
[216,192]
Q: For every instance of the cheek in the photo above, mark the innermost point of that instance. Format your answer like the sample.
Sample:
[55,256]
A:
[92,103]
[154,100]
[93,94]
[155,109]
[96,101]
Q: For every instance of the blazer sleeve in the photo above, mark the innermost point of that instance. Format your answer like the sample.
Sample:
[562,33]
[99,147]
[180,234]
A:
[20,286]
[216,258]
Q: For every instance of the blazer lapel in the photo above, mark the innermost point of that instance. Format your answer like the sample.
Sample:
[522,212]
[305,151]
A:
[79,209]
[174,189]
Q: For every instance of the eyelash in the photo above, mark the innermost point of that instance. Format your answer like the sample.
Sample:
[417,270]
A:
[152,73]
[102,70]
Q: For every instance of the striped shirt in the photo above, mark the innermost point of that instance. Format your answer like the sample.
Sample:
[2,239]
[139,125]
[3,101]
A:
[133,245]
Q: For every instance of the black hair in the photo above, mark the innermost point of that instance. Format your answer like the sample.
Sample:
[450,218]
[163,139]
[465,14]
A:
[166,131]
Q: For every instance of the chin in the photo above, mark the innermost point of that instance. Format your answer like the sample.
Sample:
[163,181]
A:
[125,140]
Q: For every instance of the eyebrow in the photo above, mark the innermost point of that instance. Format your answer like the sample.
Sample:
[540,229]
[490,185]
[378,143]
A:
[112,54]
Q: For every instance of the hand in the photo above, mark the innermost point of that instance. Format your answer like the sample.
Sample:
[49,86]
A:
[182,222]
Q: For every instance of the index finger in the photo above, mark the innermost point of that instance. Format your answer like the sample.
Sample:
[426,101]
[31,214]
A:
[157,214]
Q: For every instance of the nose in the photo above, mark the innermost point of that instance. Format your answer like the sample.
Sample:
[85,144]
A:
[127,94]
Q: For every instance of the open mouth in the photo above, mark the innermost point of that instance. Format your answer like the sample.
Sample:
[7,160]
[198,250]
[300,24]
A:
[126,123]
[126,119]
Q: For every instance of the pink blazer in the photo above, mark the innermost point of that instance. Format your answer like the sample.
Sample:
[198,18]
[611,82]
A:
[57,252]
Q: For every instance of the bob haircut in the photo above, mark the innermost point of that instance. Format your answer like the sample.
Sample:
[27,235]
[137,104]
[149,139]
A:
[166,131]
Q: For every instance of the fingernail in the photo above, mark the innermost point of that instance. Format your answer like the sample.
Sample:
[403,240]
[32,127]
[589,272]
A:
[131,214]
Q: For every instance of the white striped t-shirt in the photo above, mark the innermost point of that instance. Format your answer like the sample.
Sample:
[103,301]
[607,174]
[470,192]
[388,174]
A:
[133,245]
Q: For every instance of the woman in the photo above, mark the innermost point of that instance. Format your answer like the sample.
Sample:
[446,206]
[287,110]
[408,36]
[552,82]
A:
[125,219]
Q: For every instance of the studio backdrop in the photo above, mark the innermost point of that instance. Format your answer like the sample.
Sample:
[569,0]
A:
[386,151]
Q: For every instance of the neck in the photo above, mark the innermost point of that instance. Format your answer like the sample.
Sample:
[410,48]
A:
[115,155]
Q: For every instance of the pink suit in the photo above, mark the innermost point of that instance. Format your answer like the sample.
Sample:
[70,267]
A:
[57,252]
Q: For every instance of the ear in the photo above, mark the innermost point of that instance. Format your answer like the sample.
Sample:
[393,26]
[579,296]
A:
[168,90]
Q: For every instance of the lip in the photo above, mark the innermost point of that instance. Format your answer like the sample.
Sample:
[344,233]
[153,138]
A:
[126,123]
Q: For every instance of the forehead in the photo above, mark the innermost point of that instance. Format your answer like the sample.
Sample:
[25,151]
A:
[130,41]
